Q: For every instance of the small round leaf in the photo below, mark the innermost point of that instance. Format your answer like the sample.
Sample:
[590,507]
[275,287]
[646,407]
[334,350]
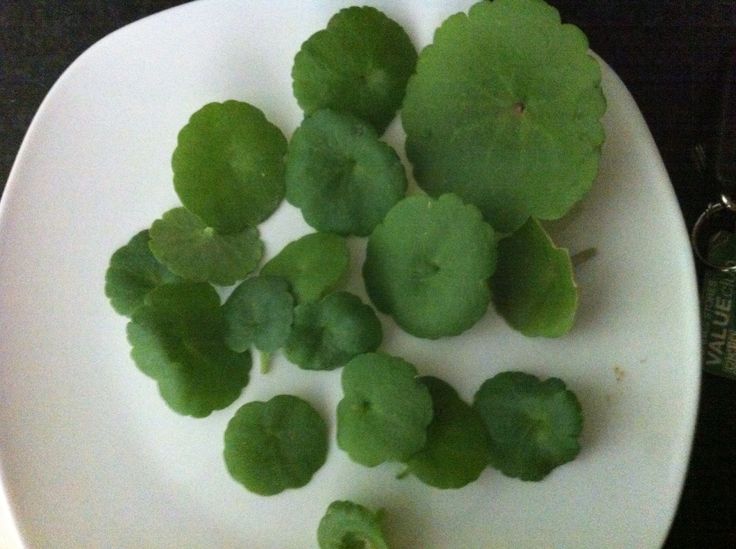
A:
[259,313]
[229,166]
[385,410]
[428,265]
[275,445]
[456,452]
[328,333]
[359,64]
[347,525]
[186,245]
[133,272]
[533,425]
[341,175]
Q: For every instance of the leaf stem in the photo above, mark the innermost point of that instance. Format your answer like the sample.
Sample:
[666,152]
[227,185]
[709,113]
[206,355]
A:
[583,256]
[265,362]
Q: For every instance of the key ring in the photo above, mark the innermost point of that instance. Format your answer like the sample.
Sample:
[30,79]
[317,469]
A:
[717,217]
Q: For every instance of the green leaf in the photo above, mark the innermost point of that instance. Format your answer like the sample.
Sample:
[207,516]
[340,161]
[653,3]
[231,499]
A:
[186,245]
[275,445]
[359,64]
[533,425]
[456,452]
[428,265]
[259,312]
[133,272]
[341,176]
[348,525]
[229,166]
[328,333]
[178,339]
[534,287]
[314,265]
[504,111]
[385,410]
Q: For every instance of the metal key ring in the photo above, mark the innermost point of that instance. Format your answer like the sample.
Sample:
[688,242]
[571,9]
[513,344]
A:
[718,216]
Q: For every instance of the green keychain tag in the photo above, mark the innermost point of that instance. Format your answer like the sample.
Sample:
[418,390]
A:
[718,301]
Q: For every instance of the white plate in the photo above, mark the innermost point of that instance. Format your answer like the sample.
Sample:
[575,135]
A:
[91,455]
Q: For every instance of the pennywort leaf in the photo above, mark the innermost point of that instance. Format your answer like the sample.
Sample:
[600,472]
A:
[133,272]
[348,525]
[456,452]
[504,110]
[533,425]
[259,313]
[385,410]
[186,245]
[178,339]
[328,333]
[313,265]
[428,265]
[229,166]
[341,175]
[359,64]
[275,445]
[534,287]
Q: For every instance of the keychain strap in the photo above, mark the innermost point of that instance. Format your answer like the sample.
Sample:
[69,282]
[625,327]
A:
[721,216]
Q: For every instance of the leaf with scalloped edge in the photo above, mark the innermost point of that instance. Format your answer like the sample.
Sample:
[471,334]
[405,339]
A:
[188,247]
[359,64]
[504,110]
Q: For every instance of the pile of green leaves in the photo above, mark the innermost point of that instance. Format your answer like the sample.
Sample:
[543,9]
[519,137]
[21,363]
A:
[501,115]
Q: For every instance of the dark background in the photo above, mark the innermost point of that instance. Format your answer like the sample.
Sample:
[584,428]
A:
[672,55]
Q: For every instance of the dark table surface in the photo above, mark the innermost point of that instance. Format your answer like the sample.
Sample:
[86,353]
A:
[670,53]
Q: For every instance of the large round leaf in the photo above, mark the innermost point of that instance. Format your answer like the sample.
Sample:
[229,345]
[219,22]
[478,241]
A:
[504,111]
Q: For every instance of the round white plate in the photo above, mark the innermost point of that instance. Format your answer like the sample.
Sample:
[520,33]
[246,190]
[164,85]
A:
[91,455]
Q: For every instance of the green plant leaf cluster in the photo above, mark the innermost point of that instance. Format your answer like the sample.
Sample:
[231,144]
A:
[275,445]
[359,64]
[534,425]
[504,110]
[341,175]
[428,265]
[328,333]
[177,338]
[503,128]
[348,525]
